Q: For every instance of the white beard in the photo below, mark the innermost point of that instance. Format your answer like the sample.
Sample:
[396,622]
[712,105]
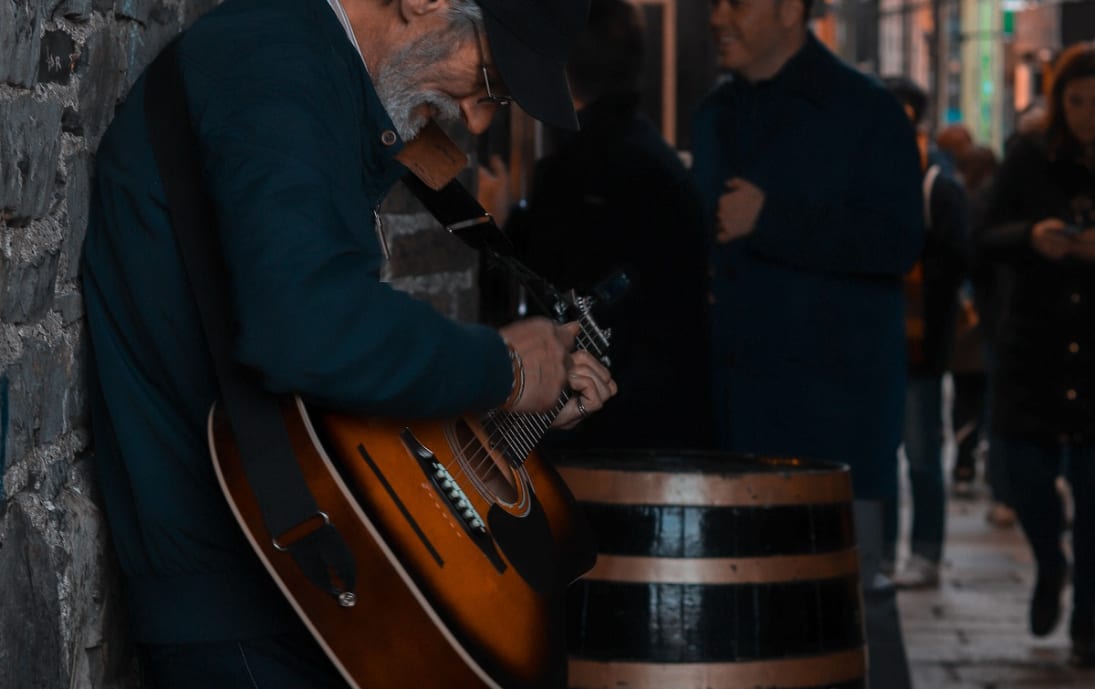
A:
[398,85]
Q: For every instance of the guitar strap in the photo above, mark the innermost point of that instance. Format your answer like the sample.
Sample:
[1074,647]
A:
[462,216]
[255,416]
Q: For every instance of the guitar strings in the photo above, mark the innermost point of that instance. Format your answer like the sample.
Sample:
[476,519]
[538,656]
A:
[520,432]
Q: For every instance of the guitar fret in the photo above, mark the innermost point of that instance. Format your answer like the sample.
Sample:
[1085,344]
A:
[521,433]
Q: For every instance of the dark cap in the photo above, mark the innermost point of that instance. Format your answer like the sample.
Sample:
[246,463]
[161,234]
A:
[530,41]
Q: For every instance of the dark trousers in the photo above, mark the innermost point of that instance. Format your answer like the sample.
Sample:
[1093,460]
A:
[286,661]
[924,454]
[1035,467]
[968,415]
[889,666]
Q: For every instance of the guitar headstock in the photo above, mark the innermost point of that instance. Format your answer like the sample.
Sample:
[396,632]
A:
[569,306]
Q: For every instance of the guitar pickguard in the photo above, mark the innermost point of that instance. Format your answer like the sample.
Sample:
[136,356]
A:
[527,543]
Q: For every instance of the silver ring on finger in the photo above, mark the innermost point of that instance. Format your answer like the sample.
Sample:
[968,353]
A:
[582,409]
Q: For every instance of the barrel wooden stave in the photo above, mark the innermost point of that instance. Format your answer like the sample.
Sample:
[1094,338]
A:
[715,572]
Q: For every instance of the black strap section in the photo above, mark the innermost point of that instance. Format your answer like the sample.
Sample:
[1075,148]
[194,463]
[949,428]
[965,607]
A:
[255,416]
[459,213]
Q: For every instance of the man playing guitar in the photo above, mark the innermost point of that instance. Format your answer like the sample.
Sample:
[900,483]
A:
[300,108]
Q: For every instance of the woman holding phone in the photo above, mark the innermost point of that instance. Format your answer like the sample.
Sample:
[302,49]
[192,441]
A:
[1041,220]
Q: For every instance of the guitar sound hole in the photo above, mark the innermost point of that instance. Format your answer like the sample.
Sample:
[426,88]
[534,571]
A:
[486,465]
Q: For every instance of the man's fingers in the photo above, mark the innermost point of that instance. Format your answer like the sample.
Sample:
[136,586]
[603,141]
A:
[568,334]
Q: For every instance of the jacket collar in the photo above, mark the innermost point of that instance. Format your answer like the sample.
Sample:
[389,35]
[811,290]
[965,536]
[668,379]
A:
[809,73]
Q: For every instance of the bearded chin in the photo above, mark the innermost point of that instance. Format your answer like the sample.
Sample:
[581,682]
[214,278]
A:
[398,82]
[405,108]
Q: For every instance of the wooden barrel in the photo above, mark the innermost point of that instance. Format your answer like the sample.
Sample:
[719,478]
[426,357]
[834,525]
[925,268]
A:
[715,571]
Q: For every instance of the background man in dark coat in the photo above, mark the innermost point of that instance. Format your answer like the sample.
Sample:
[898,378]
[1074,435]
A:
[811,183]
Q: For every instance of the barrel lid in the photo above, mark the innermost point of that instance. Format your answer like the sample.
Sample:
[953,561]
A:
[694,461]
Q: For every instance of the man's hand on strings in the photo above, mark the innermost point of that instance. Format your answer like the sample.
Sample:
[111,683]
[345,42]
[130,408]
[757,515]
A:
[543,351]
[548,365]
[591,386]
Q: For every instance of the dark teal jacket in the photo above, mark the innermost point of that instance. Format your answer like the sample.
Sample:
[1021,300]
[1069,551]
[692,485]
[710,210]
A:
[291,146]
[808,346]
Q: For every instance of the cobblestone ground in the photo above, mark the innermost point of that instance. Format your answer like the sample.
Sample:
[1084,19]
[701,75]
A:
[971,633]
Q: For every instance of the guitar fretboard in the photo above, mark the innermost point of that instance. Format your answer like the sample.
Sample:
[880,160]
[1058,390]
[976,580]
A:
[516,435]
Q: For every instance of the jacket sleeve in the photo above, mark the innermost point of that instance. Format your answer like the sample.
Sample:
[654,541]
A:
[1004,233]
[278,147]
[945,256]
[873,227]
[948,235]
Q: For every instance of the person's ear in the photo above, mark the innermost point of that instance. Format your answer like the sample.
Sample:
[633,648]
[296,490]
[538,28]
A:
[411,10]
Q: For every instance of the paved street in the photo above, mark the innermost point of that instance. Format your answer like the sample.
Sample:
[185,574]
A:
[971,633]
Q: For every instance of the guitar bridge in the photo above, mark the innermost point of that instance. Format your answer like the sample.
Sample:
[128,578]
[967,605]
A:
[444,483]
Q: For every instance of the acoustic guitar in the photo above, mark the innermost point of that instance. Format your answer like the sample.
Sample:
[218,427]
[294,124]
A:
[464,541]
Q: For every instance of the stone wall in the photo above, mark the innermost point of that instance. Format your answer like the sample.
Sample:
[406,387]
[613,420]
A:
[64,64]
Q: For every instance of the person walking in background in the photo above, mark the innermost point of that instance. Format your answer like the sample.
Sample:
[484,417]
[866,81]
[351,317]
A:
[931,289]
[955,143]
[975,347]
[952,142]
[810,177]
[1041,220]
[615,196]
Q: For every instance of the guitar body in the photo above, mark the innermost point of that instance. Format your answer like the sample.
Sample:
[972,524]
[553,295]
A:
[462,554]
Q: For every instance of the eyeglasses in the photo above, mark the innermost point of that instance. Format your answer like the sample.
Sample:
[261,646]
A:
[491,97]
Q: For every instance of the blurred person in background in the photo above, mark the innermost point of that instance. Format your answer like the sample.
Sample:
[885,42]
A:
[1041,220]
[955,143]
[614,196]
[952,142]
[931,290]
[810,178]
[972,362]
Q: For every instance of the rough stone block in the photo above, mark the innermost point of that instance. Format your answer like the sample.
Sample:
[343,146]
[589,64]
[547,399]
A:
[26,285]
[55,385]
[431,250]
[39,385]
[30,607]
[60,618]
[30,142]
[57,60]
[74,10]
[18,426]
[78,199]
[20,28]
[133,9]
[70,306]
[451,294]
[102,81]
[144,43]
[93,604]
[77,415]
[195,9]
[71,123]
[5,421]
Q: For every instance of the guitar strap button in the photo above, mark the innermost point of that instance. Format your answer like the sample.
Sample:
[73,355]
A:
[347,599]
